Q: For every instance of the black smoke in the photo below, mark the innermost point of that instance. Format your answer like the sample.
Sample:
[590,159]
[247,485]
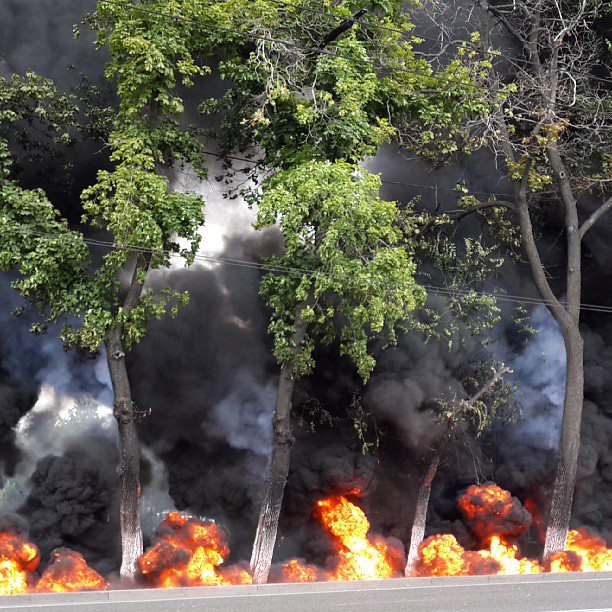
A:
[72,503]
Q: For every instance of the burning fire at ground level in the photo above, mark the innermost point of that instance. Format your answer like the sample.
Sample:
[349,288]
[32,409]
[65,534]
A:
[191,552]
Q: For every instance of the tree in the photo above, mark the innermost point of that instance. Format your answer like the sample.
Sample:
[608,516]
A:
[546,118]
[467,417]
[103,299]
[335,225]
[315,105]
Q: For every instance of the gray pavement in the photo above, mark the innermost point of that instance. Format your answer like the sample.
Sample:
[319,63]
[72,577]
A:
[592,591]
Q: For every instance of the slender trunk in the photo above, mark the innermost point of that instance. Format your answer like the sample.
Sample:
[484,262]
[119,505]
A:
[282,440]
[128,469]
[420,513]
[269,514]
[569,445]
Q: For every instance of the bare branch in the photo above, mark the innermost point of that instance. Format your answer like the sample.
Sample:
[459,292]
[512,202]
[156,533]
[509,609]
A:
[486,388]
[590,222]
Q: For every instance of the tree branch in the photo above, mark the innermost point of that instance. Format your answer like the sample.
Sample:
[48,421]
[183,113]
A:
[533,255]
[574,263]
[590,222]
[347,24]
[497,375]
[131,299]
[462,213]
[506,23]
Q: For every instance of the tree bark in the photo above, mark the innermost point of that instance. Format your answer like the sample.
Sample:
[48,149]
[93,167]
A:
[128,469]
[420,513]
[569,445]
[547,75]
[282,440]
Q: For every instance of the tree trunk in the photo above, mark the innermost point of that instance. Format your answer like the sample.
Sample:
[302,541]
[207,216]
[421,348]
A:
[269,514]
[282,439]
[128,469]
[569,445]
[420,512]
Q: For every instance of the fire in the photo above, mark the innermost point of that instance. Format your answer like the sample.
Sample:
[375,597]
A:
[188,552]
[584,552]
[359,557]
[18,560]
[191,552]
[441,555]
[496,518]
[69,572]
[490,510]
[296,571]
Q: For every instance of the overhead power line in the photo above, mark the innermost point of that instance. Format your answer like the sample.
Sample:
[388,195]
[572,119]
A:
[384,181]
[243,263]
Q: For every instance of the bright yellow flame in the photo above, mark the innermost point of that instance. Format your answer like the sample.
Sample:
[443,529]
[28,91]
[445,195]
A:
[358,558]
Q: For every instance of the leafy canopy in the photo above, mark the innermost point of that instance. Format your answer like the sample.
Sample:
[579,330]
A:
[315,116]
[133,203]
[335,224]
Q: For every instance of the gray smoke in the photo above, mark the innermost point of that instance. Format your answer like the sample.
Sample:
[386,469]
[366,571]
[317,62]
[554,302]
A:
[539,371]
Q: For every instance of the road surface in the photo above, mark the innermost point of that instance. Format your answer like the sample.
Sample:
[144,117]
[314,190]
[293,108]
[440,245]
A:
[592,591]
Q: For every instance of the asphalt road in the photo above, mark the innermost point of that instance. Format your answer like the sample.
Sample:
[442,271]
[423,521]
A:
[491,593]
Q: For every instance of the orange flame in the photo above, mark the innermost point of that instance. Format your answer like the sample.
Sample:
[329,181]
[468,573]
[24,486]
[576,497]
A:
[584,552]
[490,510]
[497,517]
[442,555]
[188,552]
[296,571]
[69,572]
[359,557]
[191,552]
[18,559]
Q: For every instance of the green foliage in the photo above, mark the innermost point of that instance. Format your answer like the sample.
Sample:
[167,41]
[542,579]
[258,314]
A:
[296,103]
[34,239]
[335,224]
[133,202]
[435,120]
[31,104]
[464,266]
[314,116]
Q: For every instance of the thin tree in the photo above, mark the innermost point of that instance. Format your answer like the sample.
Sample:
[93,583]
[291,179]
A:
[547,119]
[360,284]
[476,412]
[101,296]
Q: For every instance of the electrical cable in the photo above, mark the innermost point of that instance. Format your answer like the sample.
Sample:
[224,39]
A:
[437,289]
